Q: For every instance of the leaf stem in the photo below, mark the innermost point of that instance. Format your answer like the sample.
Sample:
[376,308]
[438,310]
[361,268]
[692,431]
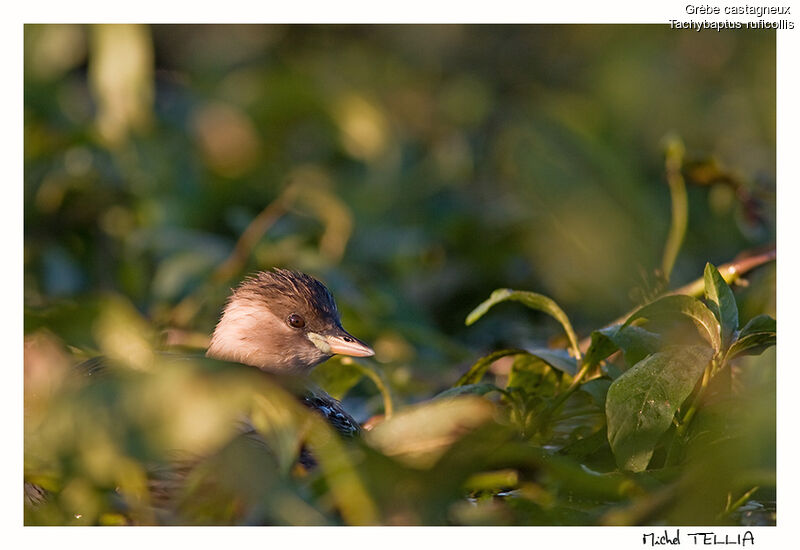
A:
[377,379]
[680,206]
[695,405]
[682,425]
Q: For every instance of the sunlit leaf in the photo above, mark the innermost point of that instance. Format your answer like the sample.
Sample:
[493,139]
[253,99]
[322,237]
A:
[759,323]
[420,434]
[756,336]
[721,302]
[752,344]
[532,300]
[124,335]
[121,77]
[680,305]
[641,403]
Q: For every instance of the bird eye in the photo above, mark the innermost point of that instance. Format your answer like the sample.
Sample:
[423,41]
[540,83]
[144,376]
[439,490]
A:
[296,321]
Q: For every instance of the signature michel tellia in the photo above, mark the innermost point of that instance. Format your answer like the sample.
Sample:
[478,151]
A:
[698,538]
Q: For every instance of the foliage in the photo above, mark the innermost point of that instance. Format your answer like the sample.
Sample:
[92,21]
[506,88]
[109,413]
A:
[413,169]
[103,446]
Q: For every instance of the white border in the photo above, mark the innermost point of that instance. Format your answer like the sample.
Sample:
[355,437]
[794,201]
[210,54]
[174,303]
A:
[416,11]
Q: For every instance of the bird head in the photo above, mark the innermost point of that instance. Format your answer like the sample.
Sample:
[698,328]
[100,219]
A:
[282,321]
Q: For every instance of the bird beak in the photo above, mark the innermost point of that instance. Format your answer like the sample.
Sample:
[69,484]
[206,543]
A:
[343,343]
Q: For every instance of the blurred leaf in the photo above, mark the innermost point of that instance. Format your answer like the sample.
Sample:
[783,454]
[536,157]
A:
[336,376]
[272,417]
[420,434]
[476,389]
[123,335]
[492,481]
[642,402]
[339,466]
[179,272]
[680,305]
[722,303]
[121,75]
[531,300]
[227,138]
[71,321]
[363,125]
[242,484]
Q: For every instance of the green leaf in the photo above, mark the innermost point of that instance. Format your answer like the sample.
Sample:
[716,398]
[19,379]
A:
[533,301]
[756,336]
[598,389]
[641,403]
[558,359]
[476,371]
[336,377]
[752,344]
[533,375]
[635,342]
[722,302]
[759,323]
[680,305]
[612,371]
[474,389]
